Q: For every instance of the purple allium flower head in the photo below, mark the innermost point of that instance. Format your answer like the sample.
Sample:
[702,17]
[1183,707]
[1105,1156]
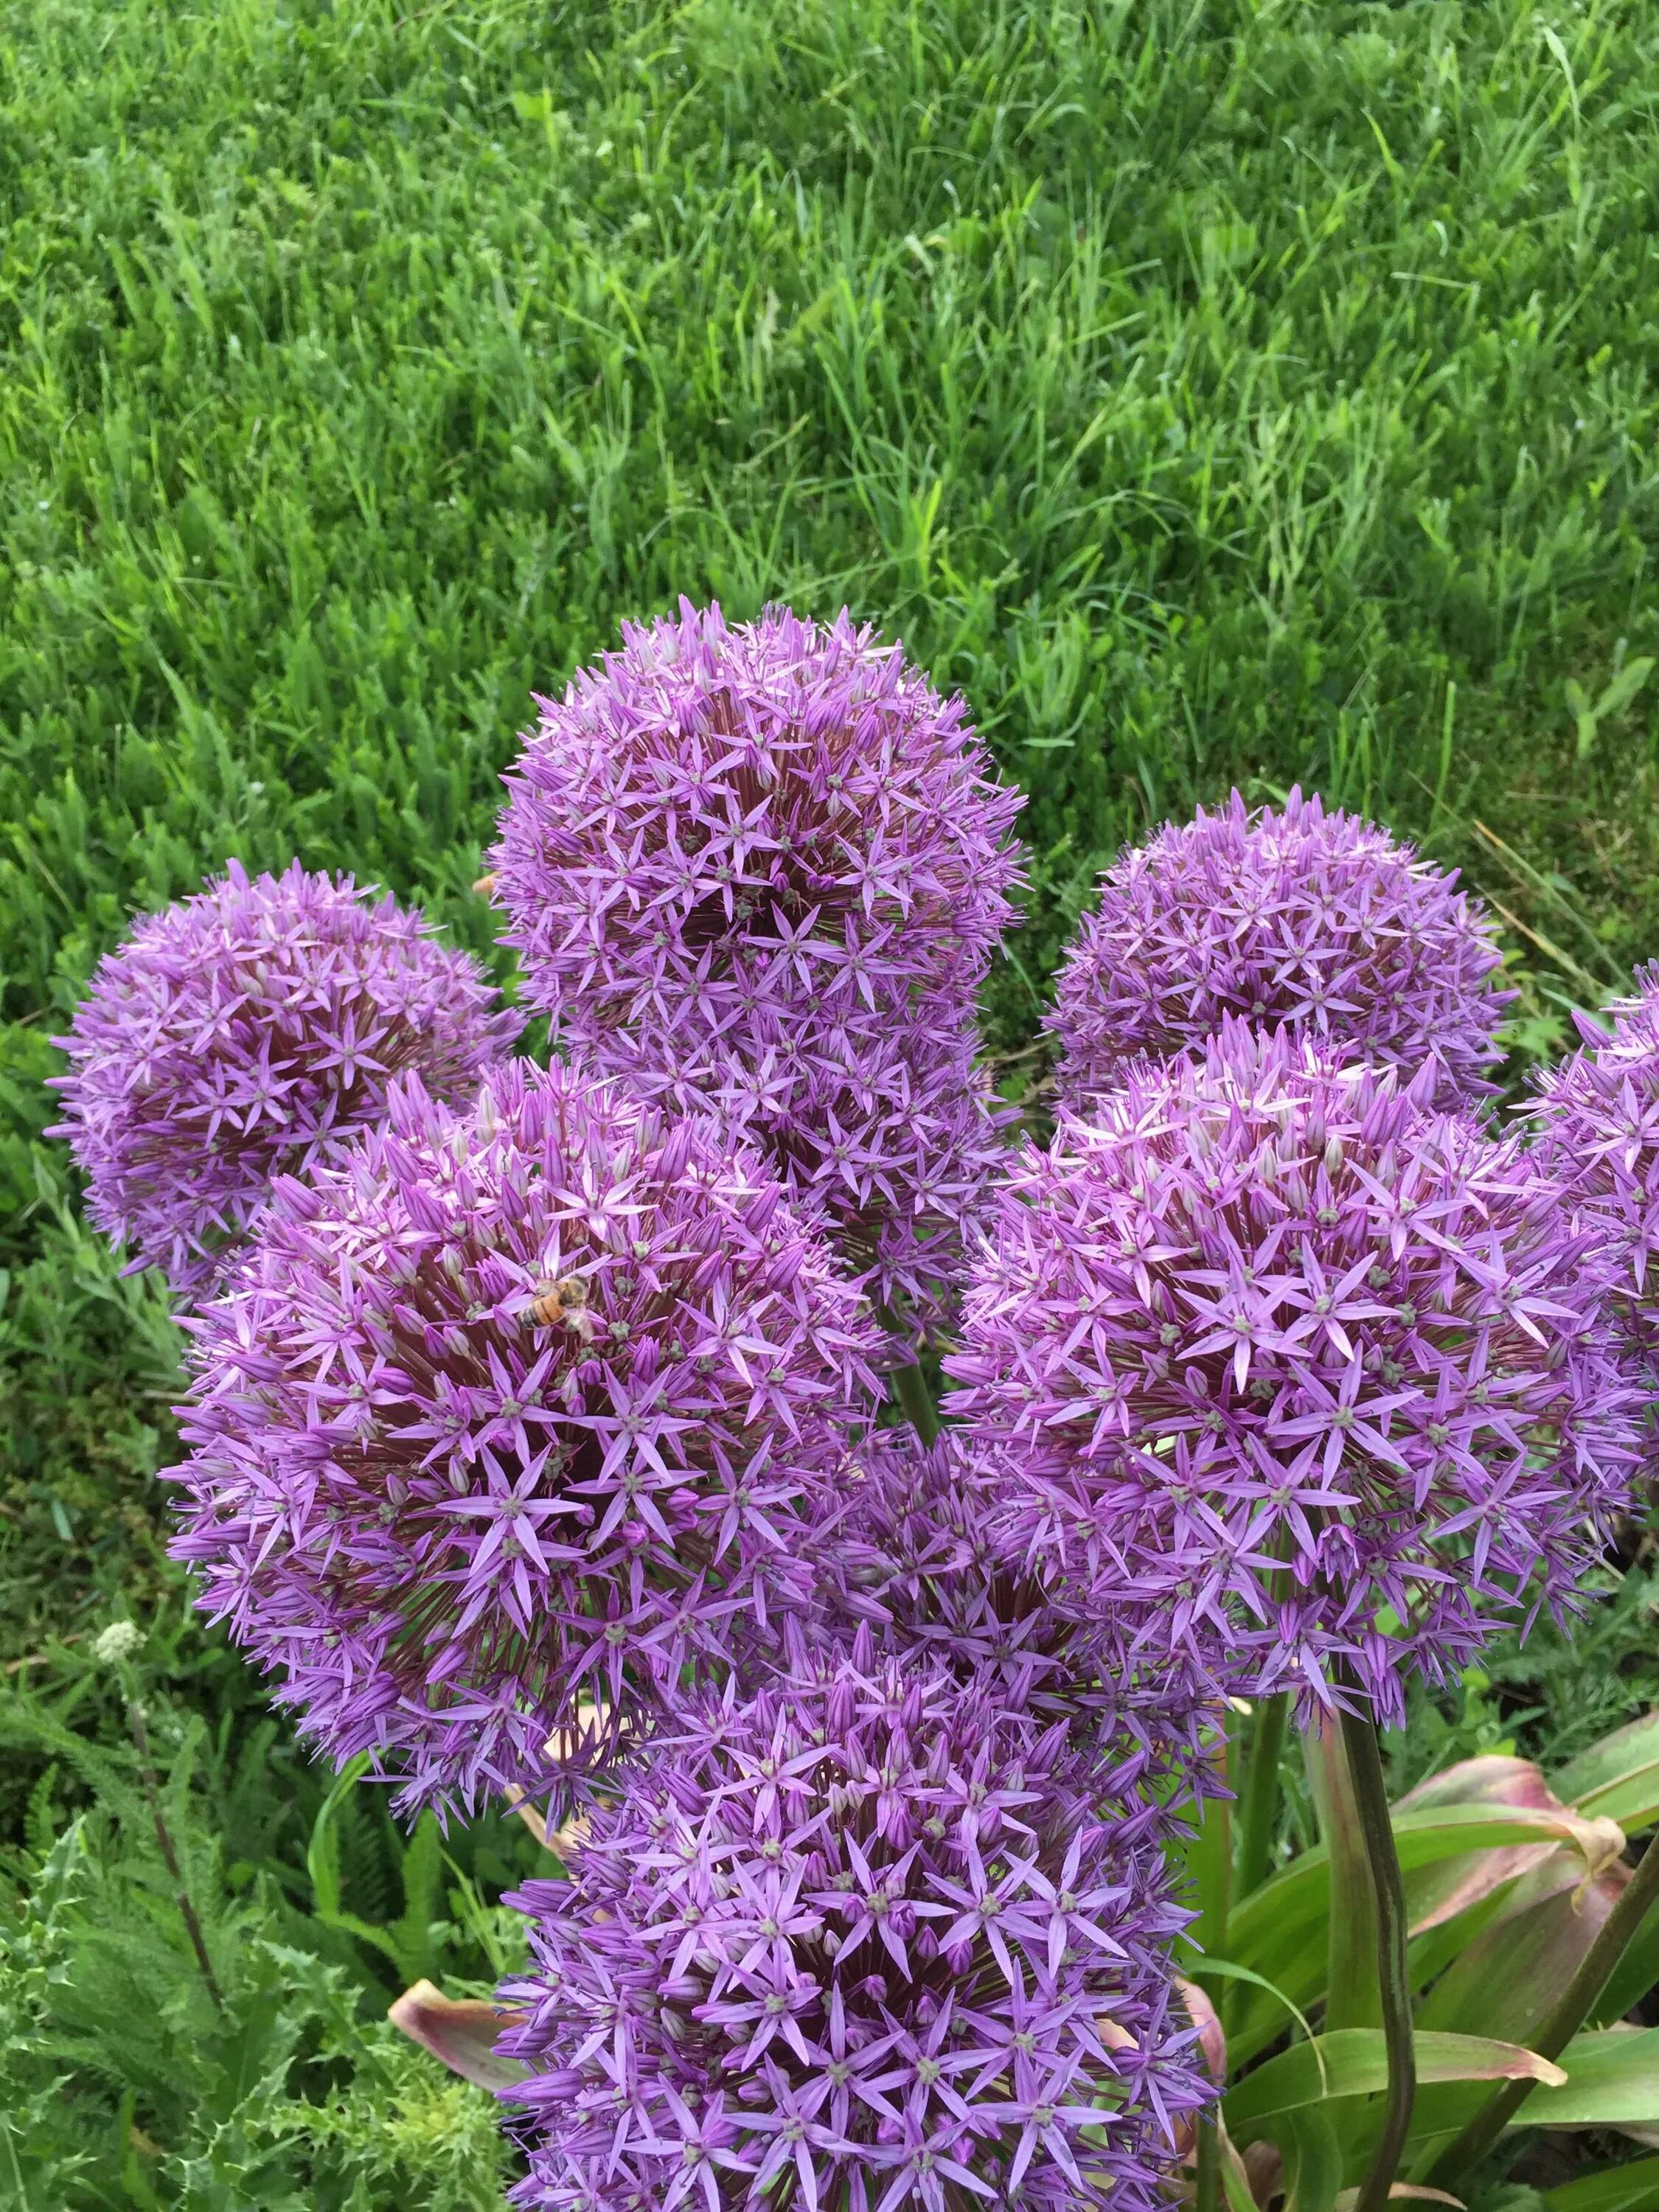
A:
[1276,1342]
[864,1945]
[233,1038]
[762,867]
[923,1549]
[1320,921]
[1597,1115]
[503,1419]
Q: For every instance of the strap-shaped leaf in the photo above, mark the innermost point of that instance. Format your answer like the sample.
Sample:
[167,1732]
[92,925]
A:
[1613,2081]
[1229,1969]
[322,1851]
[1445,1891]
[1422,1836]
[460,2030]
[1279,1930]
[1632,2188]
[1617,1779]
[1403,2192]
[1353,2062]
[1235,2181]
[1633,1977]
[1313,2159]
[1515,1972]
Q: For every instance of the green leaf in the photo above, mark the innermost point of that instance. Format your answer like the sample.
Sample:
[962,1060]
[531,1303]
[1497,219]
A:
[134,2180]
[1632,2188]
[322,1851]
[1439,1832]
[1279,1930]
[366,1932]
[422,1871]
[1583,715]
[1353,1996]
[1618,694]
[323,1865]
[1209,1865]
[1235,2182]
[1313,2159]
[1635,1974]
[1515,1971]
[1445,1891]
[1613,2081]
[1623,688]
[1353,2062]
[1617,1779]
[1229,1969]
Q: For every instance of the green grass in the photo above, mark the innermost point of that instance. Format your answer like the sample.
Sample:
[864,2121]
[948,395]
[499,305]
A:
[1209,392]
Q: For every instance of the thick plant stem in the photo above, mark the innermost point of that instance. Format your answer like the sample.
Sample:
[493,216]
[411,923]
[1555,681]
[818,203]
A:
[1371,1802]
[1211,1864]
[1576,2001]
[1260,1807]
[1211,1858]
[910,1388]
[1353,1997]
[1206,2192]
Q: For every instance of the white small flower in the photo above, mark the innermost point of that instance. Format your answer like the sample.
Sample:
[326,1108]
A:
[117,1641]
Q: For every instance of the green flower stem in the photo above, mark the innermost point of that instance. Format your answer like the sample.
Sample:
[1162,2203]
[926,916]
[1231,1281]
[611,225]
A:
[1211,1865]
[1364,1762]
[910,1388]
[1210,1859]
[1207,2187]
[1571,2011]
[1258,1815]
[1352,1997]
[1260,1811]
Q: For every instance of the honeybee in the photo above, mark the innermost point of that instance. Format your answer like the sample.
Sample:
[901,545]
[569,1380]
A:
[484,886]
[563,1304]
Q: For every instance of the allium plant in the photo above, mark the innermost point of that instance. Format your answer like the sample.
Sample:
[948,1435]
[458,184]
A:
[1597,1115]
[922,1552]
[1319,921]
[235,1037]
[859,1945]
[507,1420]
[1316,1370]
[761,868]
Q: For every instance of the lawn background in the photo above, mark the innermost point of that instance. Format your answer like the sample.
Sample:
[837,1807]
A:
[1209,392]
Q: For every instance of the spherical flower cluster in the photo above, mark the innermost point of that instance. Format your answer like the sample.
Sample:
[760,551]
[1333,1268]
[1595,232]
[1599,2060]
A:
[863,1945]
[1597,1115]
[503,1420]
[761,868]
[922,1552]
[235,1036]
[1279,1347]
[1319,921]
